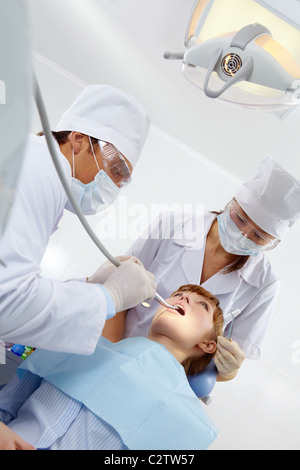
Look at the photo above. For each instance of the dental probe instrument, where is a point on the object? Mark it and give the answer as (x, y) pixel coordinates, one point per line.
(164, 303)
(233, 314)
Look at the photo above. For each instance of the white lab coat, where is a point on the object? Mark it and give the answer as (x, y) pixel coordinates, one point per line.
(176, 262)
(35, 311)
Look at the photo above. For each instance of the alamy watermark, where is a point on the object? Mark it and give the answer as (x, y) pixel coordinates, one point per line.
(125, 221)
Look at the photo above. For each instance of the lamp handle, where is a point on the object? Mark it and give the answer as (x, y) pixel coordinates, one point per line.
(242, 74)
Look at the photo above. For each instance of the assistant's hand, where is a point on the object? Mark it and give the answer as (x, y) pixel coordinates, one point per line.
(130, 284)
(228, 359)
(11, 441)
(106, 270)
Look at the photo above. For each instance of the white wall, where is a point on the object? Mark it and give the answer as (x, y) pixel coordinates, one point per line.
(261, 408)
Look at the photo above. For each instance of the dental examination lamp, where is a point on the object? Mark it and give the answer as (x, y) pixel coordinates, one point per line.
(245, 52)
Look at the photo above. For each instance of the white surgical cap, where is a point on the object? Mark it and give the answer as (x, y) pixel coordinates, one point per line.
(109, 114)
(271, 198)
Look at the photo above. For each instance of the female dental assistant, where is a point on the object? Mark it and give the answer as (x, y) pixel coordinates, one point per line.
(231, 263)
(99, 141)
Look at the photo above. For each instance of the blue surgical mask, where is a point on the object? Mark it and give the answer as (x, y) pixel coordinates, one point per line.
(95, 196)
(232, 239)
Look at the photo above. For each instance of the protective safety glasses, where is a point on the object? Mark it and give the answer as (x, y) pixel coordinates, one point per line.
(247, 229)
(115, 165)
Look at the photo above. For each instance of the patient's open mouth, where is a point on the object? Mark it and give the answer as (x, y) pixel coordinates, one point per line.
(180, 309)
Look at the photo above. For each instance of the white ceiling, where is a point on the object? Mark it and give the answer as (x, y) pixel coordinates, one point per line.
(122, 42)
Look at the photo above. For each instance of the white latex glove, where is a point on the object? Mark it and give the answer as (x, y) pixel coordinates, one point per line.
(130, 284)
(228, 359)
(106, 270)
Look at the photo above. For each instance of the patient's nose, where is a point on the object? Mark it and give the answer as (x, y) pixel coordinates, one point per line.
(185, 297)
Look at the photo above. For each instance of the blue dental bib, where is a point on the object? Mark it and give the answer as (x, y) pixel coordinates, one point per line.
(137, 387)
